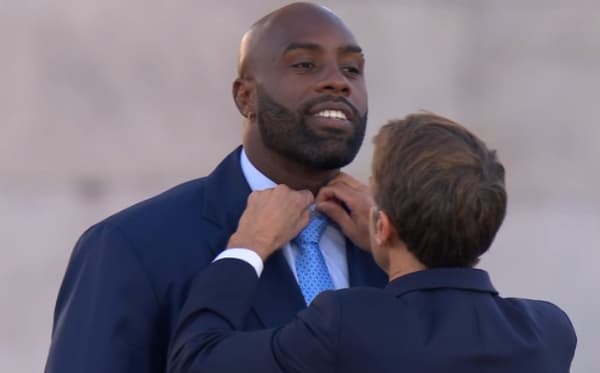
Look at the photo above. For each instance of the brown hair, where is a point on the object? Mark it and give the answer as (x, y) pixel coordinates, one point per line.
(441, 187)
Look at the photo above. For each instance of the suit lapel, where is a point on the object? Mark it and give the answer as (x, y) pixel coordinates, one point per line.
(225, 199)
(362, 269)
(278, 297)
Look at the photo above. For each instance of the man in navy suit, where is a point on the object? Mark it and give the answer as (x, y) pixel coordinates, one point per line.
(301, 90)
(439, 199)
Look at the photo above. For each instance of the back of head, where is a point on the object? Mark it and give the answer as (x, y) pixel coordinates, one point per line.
(441, 187)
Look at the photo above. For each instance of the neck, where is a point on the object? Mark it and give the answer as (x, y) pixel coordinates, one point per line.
(402, 262)
(282, 170)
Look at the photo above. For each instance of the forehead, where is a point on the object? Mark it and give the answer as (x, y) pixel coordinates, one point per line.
(325, 30)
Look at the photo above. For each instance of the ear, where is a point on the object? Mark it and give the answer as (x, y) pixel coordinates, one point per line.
(243, 96)
(384, 230)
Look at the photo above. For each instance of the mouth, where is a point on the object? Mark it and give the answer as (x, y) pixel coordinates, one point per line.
(334, 110)
(332, 114)
(331, 121)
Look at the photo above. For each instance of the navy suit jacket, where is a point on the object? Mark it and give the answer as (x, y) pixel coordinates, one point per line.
(129, 276)
(437, 320)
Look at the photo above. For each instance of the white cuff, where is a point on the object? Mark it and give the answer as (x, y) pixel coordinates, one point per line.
(245, 255)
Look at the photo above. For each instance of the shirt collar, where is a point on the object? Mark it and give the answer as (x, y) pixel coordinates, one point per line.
(256, 179)
(439, 278)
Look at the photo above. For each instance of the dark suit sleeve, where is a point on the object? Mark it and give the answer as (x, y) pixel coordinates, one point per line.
(106, 309)
(208, 336)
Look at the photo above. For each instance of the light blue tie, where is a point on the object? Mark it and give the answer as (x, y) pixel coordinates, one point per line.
(311, 269)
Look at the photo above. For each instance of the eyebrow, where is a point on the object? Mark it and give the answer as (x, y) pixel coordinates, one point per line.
(350, 48)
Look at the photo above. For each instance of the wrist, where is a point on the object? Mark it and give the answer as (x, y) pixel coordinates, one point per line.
(245, 255)
(251, 243)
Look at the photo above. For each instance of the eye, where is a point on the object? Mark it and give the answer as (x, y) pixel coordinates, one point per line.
(305, 65)
(351, 70)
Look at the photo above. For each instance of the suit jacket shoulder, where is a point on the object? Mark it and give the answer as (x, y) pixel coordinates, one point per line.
(182, 229)
(128, 275)
(551, 324)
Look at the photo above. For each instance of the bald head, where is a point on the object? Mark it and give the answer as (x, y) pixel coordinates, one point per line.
(285, 24)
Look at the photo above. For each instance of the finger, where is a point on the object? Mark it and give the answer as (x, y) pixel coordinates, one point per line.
(307, 196)
(325, 193)
(253, 199)
(340, 192)
(335, 191)
(301, 223)
(336, 213)
(304, 219)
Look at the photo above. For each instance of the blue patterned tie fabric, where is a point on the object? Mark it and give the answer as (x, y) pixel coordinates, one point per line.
(311, 269)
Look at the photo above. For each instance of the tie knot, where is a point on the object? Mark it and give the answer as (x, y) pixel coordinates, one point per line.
(311, 234)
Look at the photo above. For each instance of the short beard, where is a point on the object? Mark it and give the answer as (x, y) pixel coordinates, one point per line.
(286, 133)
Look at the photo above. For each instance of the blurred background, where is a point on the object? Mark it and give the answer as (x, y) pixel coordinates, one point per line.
(105, 103)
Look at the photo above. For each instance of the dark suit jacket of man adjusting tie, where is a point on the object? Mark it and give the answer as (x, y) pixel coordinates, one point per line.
(129, 276)
(438, 320)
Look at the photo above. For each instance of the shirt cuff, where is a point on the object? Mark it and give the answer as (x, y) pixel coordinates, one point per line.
(245, 255)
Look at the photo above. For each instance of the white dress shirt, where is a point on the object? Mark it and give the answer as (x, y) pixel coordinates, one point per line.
(332, 243)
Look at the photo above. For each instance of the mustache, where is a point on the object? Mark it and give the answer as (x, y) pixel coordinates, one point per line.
(330, 98)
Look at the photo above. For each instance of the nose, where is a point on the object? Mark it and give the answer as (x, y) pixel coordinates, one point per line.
(334, 82)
